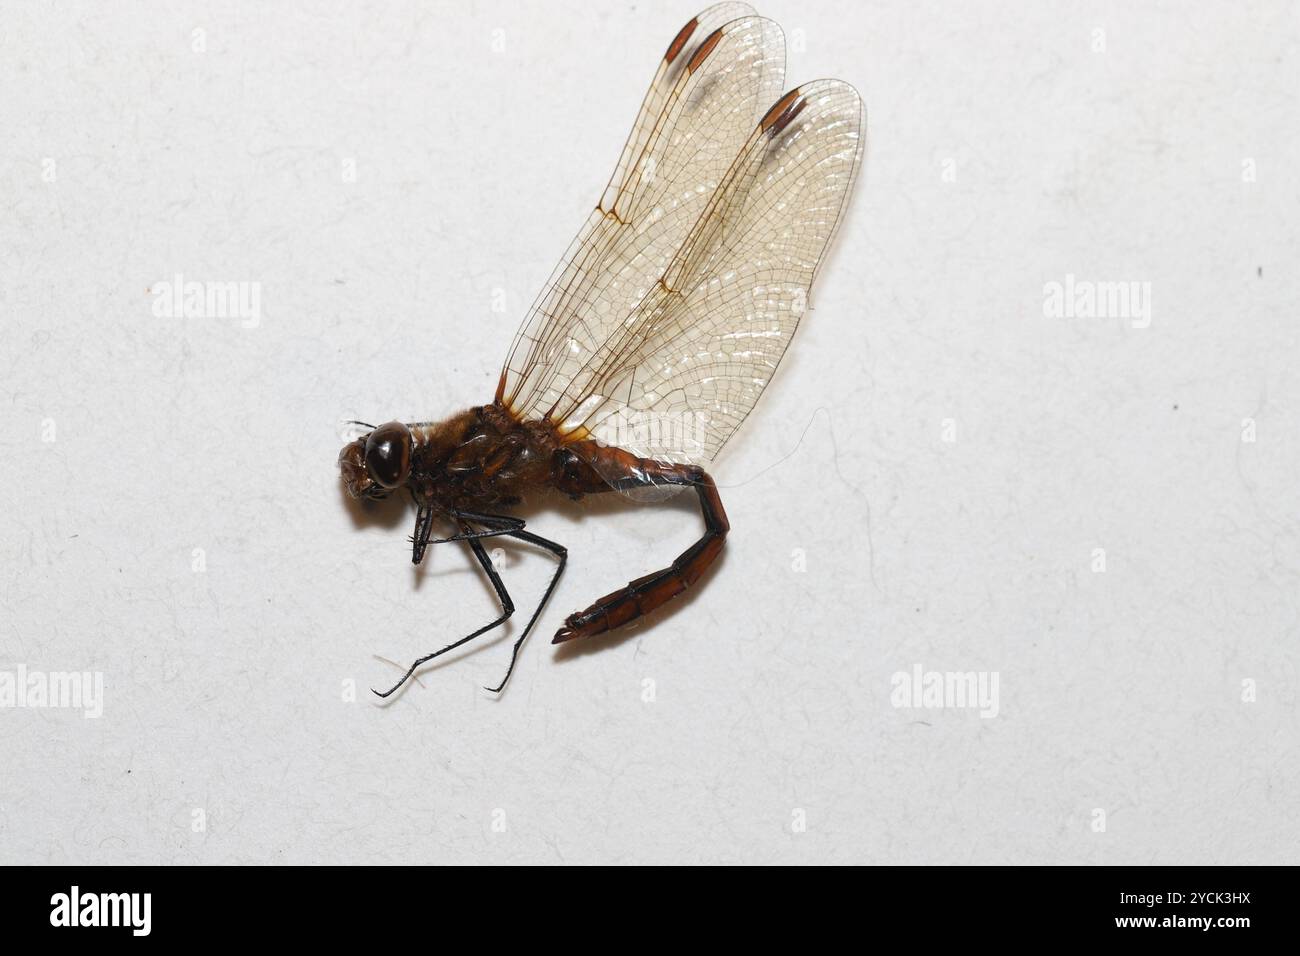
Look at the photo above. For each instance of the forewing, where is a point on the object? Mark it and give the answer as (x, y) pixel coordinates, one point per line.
(679, 376)
(681, 51)
(718, 75)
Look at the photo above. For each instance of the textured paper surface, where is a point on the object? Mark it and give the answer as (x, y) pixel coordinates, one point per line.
(934, 480)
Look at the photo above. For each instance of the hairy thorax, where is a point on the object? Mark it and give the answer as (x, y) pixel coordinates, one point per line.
(480, 458)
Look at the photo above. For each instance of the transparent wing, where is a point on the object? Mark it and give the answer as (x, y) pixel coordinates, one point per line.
(717, 77)
(678, 376)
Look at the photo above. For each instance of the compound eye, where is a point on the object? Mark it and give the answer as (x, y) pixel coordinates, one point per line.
(388, 454)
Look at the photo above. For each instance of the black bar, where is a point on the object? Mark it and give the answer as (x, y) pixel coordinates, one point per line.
(1164, 905)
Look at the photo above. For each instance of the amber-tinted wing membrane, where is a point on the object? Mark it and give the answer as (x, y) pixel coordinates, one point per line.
(677, 377)
(715, 81)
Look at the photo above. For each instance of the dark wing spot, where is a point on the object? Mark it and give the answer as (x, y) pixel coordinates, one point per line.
(679, 41)
(705, 49)
(781, 114)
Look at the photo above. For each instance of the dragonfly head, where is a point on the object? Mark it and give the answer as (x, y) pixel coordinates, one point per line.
(377, 463)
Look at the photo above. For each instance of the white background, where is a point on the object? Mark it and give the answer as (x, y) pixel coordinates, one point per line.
(1121, 692)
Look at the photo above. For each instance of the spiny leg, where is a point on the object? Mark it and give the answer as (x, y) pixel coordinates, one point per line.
(645, 594)
(560, 552)
(507, 605)
(506, 525)
(420, 540)
(384, 660)
(423, 528)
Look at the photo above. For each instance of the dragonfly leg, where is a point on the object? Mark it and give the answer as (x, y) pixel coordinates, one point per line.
(494, 526)
(561, 552)
(423, 529)
(507, 609)
(647, 593)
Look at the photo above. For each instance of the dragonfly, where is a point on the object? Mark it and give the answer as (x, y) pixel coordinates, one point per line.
(658, 331)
